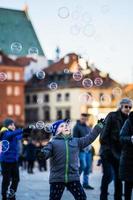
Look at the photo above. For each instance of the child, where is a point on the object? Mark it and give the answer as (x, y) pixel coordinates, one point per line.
(63, 150)
(9, 158)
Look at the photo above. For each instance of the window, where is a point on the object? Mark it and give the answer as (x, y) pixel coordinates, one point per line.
(67, 97)
(59, 97)
(9, 75)
(17, 109)
(31, 115)
(34, 98)
(46, 98)
(16, 91)
(27, 99)
(46, 115)
(67, 114)
(9, 90)
(10, 109)
(59, 114)
(17, 76)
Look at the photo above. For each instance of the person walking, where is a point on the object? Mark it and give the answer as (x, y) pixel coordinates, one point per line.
(111, 147)
(63, 151)
(85, 155)
(126, 159)
(30, 153)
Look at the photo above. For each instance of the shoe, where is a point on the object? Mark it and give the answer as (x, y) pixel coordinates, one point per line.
(88, 187)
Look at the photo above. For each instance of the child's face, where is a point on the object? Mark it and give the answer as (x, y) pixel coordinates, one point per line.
(12, 127)
(64, 128)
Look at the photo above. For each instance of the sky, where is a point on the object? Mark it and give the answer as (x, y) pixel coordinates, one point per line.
(100, 30)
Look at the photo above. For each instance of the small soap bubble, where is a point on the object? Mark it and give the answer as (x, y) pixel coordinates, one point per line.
(63, 12)
(40, 125)
(16, 47)
(87, 83)
(3, 76)
(40, 75)
(98, 81)
(77, 76)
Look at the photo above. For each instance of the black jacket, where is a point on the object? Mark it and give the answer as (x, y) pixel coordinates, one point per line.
(110, 136)
(126, 160)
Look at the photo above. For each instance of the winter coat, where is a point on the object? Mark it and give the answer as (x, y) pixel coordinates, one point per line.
(64, 152)
(110, 135)
(126, 160)
(13, 137)
(81, 130)
(30, 152)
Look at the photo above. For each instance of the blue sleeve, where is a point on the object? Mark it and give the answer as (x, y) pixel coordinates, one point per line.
(9, 134)
(19, 137)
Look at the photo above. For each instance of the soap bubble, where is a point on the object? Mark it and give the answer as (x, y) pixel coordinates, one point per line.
(63, 12)
(98, 81)
(3, 76)
(48, 128)
(33, 51)
(77, 76)
(105, 9)
(89, 30)
(4, 146)
(53, 86)
(40, 75)
(40, 101)
(16, 47)
(66, 71)
(40, 125)
(85, 98)
(117, 91)
(105, 99)
(32, 126)
(87, 83)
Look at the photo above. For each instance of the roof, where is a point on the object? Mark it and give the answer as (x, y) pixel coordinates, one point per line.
(22, 61)
(56, 73)
(15, 26)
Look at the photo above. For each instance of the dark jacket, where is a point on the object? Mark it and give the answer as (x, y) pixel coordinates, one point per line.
(81, 130)
(110, 135)
(126, 160)
(12, 154)
(30, 152)
(64, 153)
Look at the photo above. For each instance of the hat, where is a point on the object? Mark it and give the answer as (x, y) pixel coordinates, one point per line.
(55, 125)
(125, 101)
(7, 122)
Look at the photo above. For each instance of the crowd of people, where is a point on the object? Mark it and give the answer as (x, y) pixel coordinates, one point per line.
(71, 154)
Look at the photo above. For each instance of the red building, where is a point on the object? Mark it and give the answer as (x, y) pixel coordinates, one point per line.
(12, 88)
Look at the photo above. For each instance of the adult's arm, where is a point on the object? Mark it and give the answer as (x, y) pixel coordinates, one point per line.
(125, 133)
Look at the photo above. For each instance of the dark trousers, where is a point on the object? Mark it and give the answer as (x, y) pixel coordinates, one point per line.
(114, 163)
(128, 190)
(107, 177)
(57, 189)
(30, 166)
(10, 173)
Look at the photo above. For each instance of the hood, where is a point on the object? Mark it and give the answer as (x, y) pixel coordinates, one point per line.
(3, 129)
